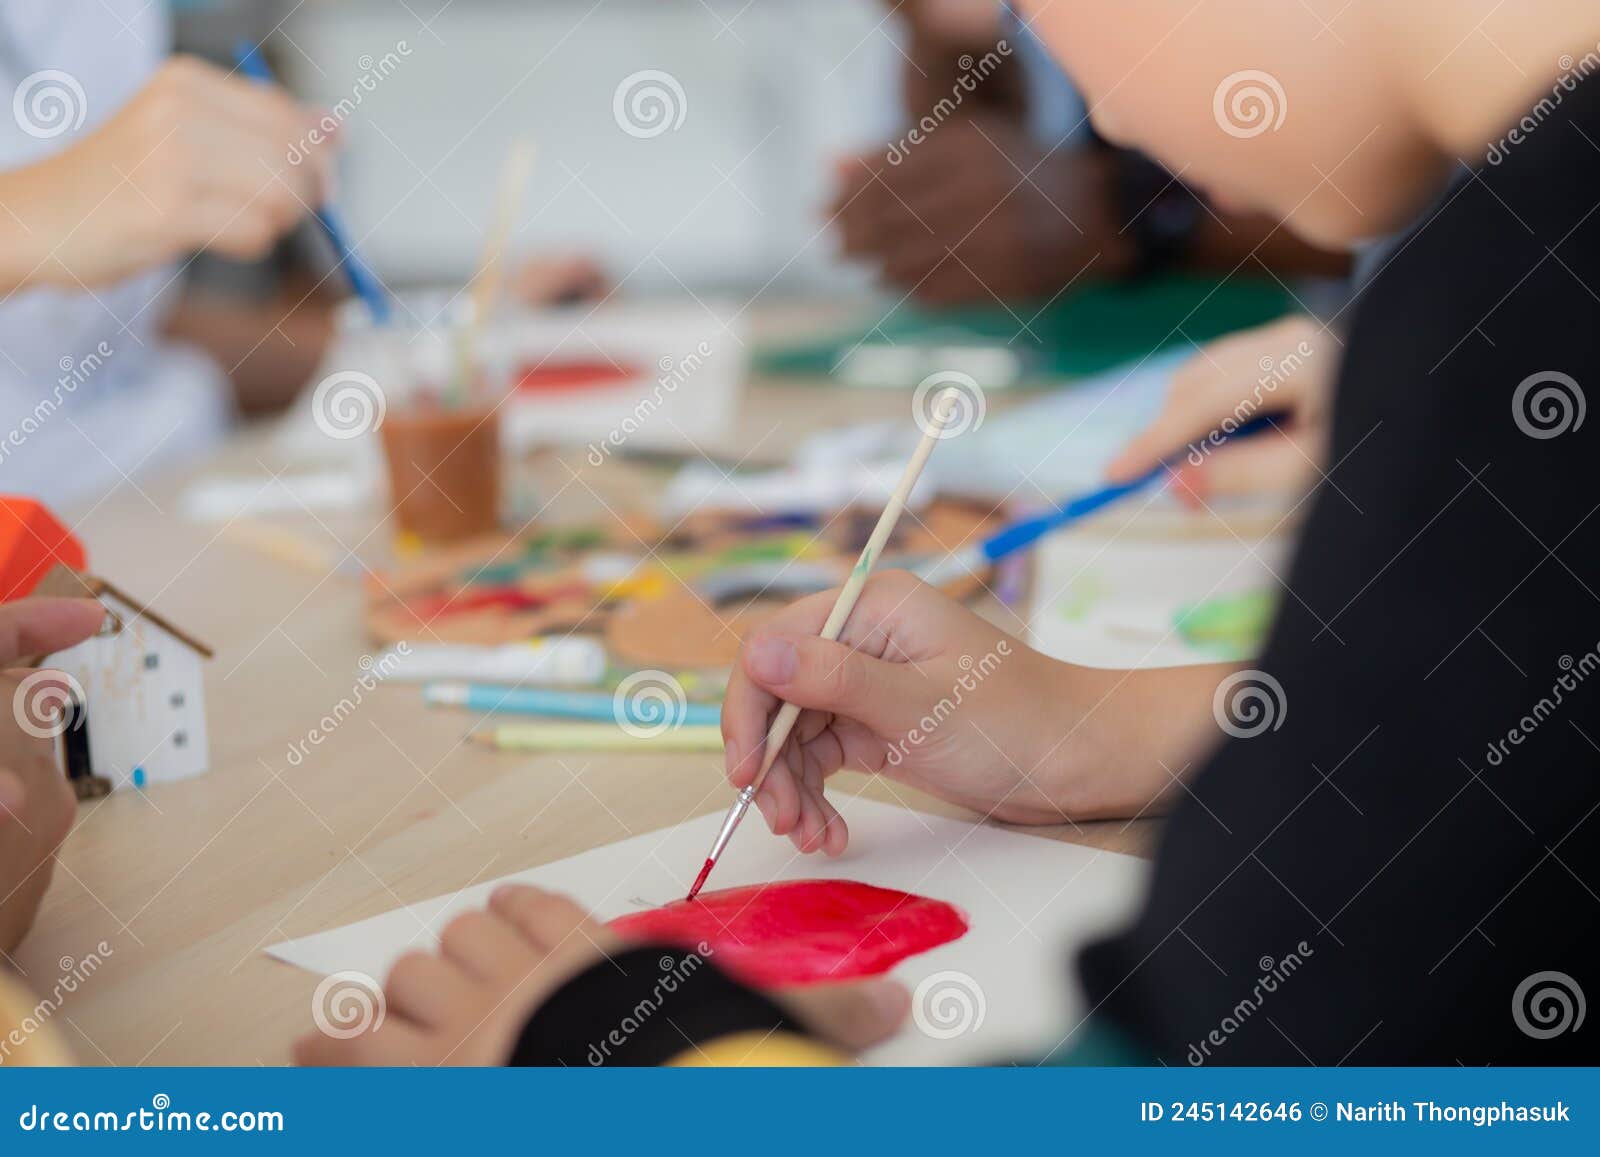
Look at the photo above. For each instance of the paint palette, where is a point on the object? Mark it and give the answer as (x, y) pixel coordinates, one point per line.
(677, 596)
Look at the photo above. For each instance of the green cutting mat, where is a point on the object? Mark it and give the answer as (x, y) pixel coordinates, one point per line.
(1082, 333)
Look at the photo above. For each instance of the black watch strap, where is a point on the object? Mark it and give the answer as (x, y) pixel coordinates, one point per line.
(642, 1006)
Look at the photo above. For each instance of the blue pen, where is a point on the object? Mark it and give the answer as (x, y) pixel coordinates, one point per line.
(362, 280)
(634, 711)
(1023, 534)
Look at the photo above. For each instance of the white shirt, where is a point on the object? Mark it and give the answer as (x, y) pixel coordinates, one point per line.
(90, 393)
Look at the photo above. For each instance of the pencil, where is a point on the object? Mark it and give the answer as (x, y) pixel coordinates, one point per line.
(596, 737)
(783, 723)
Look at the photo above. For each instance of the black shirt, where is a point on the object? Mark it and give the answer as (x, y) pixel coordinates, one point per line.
(1404, 865)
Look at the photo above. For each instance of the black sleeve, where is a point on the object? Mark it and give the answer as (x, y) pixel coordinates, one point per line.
(1400, 861)
(643, 1006)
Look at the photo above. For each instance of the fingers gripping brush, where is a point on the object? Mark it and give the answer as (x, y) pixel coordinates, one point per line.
(783, 722)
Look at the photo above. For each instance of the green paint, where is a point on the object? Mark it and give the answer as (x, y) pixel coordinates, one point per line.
(779, 548)
(497, 575)
(573, 538)
(1228, 626)
(1080, 598)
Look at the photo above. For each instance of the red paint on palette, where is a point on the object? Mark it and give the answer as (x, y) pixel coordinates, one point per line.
(491, 598)
(802, 931)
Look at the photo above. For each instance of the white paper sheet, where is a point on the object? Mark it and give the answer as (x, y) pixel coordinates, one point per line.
(1101, 603)
(1004, 990)
(689, 361)
(1048, 448)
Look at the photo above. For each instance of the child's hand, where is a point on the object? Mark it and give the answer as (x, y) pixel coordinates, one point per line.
(36, 802)
(1286, 367)
(467, 1003)
(919, 689)
(198, 159)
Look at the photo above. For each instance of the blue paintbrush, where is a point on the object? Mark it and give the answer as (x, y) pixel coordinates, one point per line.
(362, 279)
(1021, 535)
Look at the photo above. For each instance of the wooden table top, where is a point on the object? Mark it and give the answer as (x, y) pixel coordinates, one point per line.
(187, 883)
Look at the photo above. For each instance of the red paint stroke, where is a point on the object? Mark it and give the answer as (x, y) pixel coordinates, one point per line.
(802, 931)
(577, 374)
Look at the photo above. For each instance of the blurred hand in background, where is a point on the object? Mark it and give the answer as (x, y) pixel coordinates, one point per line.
(1287, 369)
(979, 211)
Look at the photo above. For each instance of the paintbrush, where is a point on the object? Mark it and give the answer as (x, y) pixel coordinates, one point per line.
(366, 285)
(973, 559)
(783, 722)
(486, 284)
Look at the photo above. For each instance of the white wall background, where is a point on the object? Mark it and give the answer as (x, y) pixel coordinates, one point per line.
(776, 90)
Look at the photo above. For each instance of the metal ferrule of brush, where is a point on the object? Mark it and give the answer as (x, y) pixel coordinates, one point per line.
(730, 822)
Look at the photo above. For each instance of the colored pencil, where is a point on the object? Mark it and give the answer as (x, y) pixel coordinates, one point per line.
(549, 737)
(566, 704)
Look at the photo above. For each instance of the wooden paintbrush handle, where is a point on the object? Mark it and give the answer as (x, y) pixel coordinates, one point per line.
(783, 722)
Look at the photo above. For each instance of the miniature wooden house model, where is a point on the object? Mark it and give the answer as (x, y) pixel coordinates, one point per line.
(144, 695)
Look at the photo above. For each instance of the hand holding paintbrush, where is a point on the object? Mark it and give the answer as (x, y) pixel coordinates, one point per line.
(784, 721)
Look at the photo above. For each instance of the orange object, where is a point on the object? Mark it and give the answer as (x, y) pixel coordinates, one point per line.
(32, 541)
